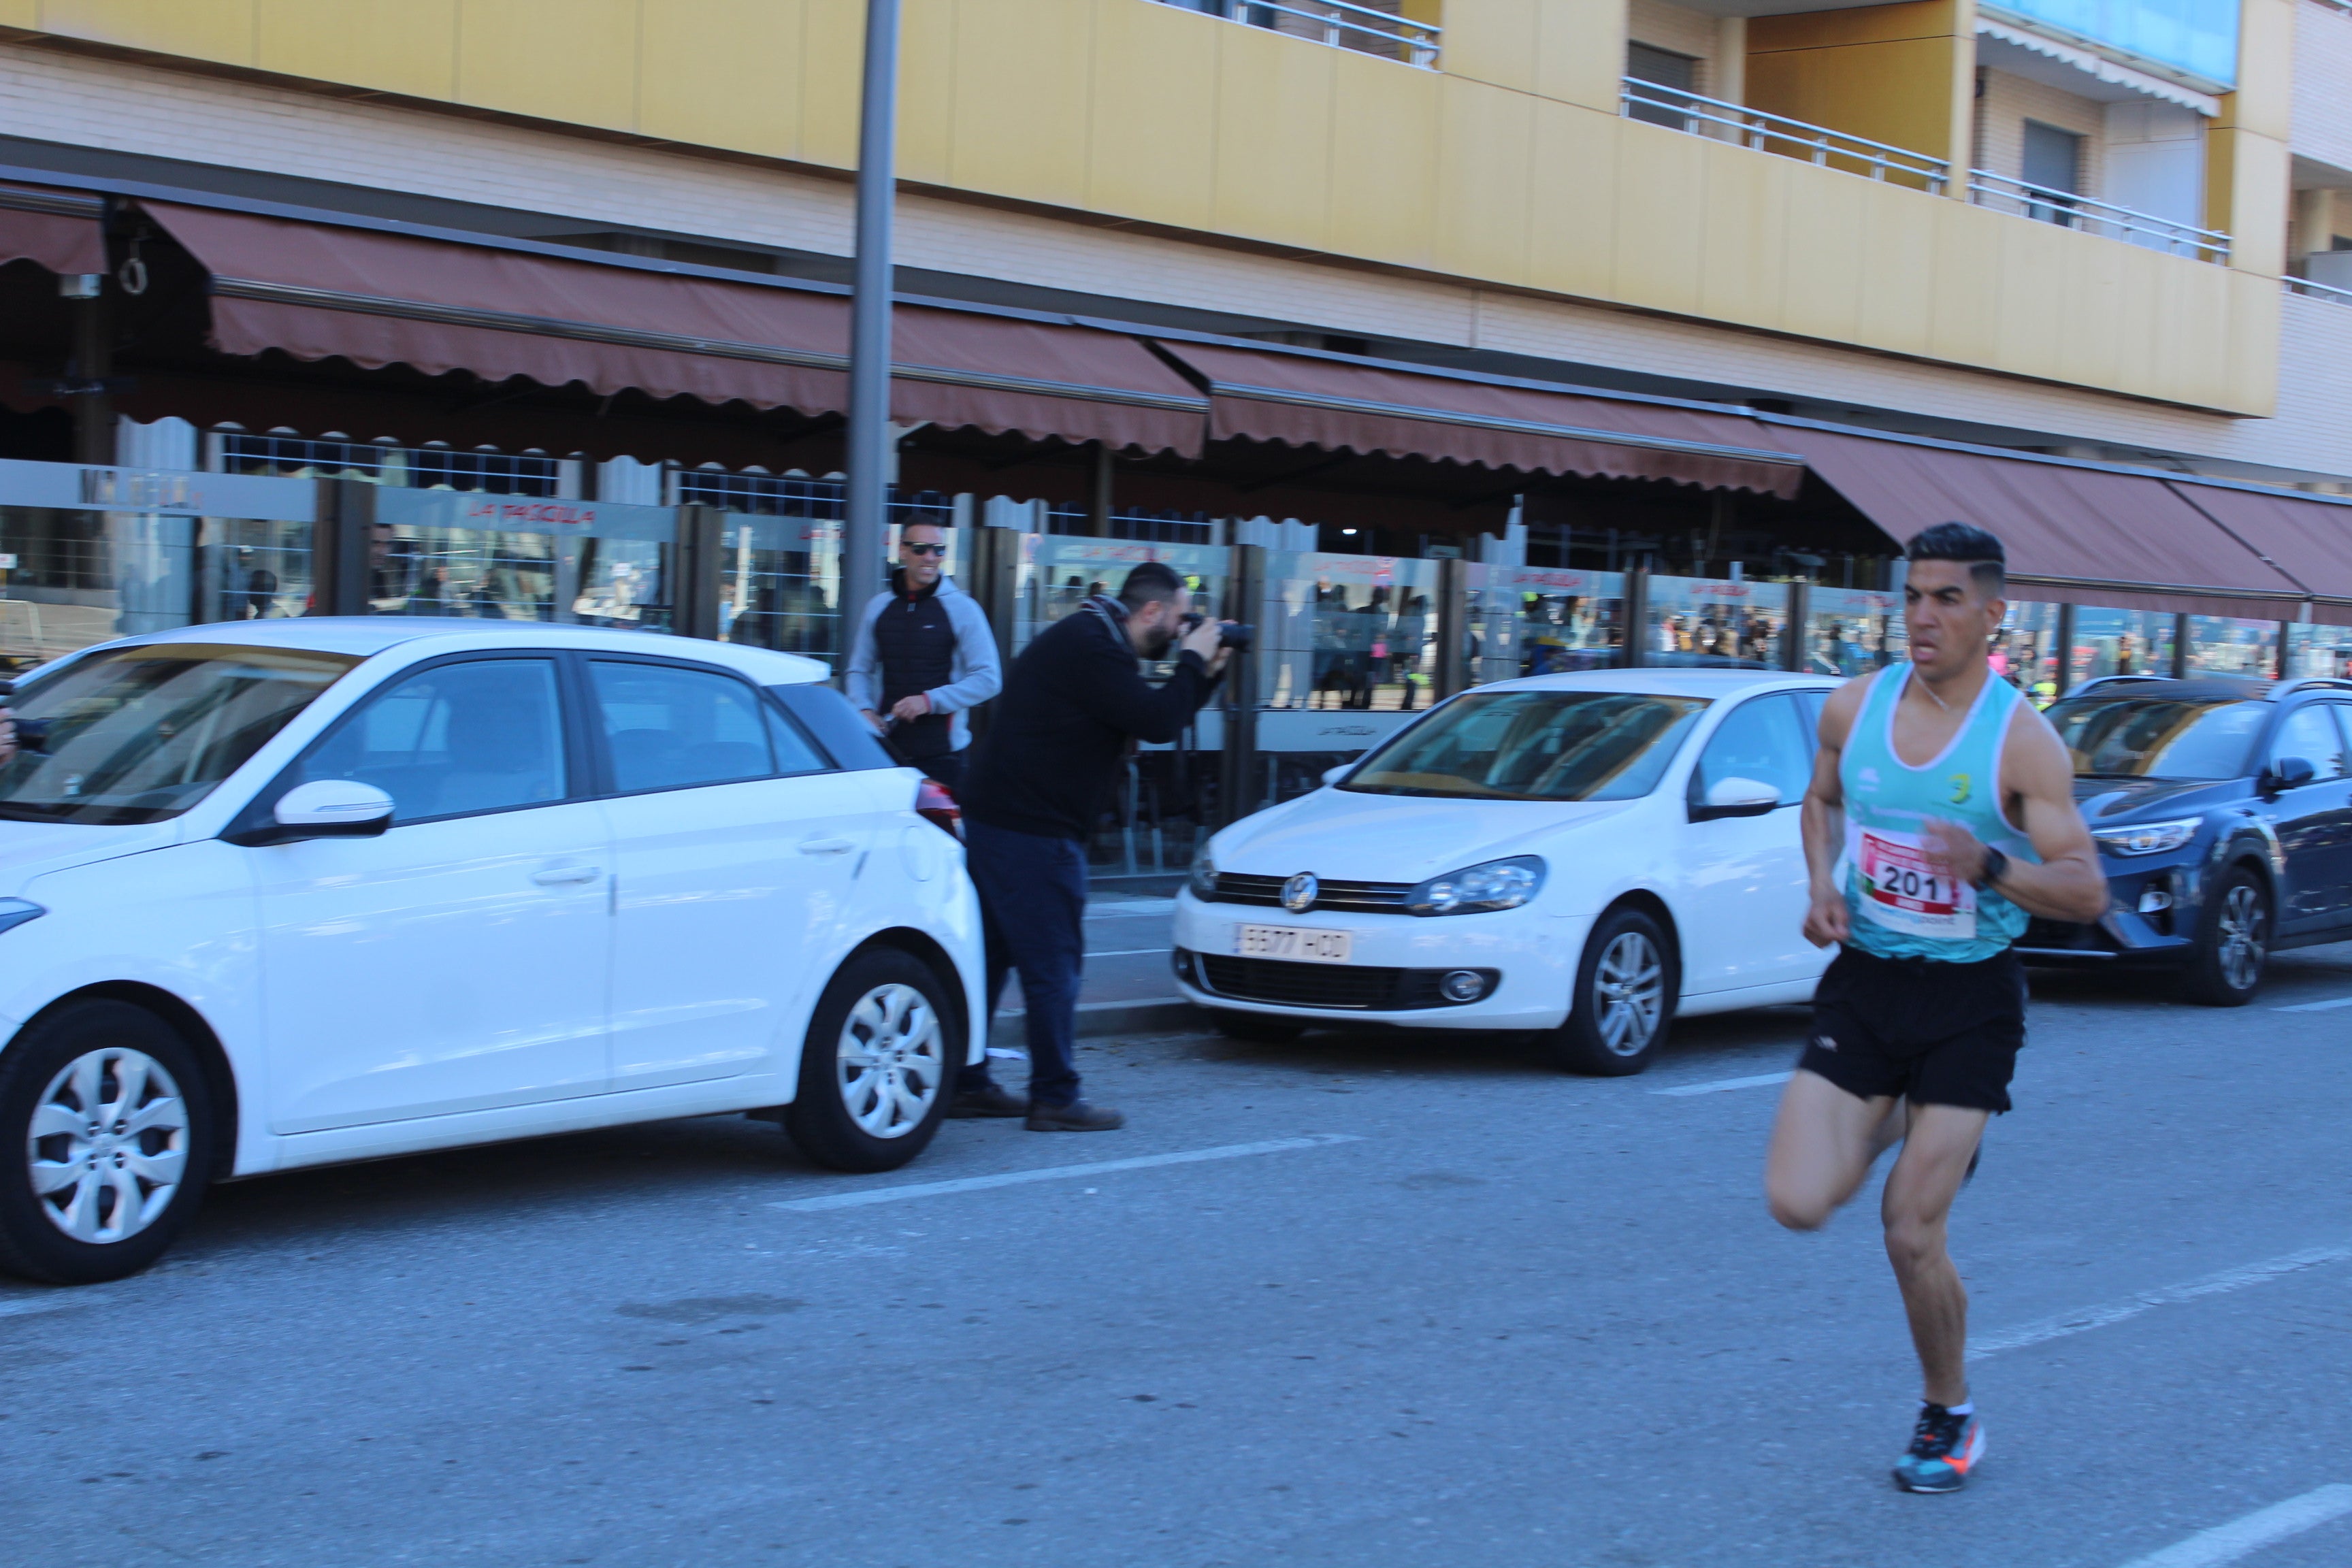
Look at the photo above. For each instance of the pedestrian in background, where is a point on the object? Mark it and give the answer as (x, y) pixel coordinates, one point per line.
(925, 656)
(1073, 711)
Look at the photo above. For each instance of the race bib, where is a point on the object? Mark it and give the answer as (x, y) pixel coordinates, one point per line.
(1899, 892)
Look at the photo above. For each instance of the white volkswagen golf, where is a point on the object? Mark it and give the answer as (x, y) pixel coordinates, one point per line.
(279, 893)
(1580, 855)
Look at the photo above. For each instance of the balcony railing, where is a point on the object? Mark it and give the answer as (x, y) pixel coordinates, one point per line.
(2071, 211)
(1680, 111)
(2311, 290)
(1364, 28)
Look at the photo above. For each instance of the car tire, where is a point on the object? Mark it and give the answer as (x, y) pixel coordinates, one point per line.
(1255, 1026)
(878, 1065)
(107, 1122)
(1624, 1001)
(2232, 941)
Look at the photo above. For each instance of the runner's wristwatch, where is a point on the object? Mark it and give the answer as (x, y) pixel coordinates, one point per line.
(1995, 867)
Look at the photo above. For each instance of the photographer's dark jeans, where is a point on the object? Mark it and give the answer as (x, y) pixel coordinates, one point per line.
(1033, 900)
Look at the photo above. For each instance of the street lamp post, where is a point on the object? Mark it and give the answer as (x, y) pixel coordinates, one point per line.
(869, 333)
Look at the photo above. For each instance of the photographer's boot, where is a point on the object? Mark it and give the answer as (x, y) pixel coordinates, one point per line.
(1076, 1117)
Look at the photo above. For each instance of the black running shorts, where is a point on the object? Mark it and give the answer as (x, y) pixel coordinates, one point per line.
(1938, 1034)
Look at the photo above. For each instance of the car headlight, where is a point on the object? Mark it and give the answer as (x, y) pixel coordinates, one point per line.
(15, 912)
(1202, 877)
(2147, 837)
(1476, 889)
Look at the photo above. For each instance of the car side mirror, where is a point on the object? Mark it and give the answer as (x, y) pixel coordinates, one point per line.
(2291, 773)
(329, 808)
(1734, 796)
(1333, 775)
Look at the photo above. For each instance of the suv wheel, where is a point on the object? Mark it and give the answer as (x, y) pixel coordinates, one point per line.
(106, 1143)
(2233, 941)
(878, 1065)
(1625, 998)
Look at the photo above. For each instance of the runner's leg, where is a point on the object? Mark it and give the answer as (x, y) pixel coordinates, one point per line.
(1823, 1141)
(1918, 1199)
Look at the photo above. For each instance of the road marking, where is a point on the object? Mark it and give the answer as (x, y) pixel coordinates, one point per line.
(2317, 1006)
(1057, 1173)
(2099, 1317)
(2239, 1537)
(1130, 952)
(1720, 1085)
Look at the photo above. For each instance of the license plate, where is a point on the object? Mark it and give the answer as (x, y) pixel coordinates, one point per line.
(1289, 942)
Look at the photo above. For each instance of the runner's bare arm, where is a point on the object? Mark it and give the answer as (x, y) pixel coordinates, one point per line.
(2037, 792)
(1823, 816)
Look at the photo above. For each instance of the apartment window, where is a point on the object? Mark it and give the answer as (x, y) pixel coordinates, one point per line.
(2053, 164)
(1668, 77)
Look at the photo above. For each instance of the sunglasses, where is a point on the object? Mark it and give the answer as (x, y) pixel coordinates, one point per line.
(924, 549)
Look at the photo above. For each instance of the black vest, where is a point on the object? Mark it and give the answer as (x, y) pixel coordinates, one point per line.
(915, 643)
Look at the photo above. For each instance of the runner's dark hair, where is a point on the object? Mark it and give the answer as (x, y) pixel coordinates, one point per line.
(1979, 551)
(1151, 581)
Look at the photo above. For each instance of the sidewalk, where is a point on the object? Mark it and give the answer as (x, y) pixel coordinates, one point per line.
(1128, 986)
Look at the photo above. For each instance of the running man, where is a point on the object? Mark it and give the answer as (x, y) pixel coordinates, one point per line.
(1917, 1022)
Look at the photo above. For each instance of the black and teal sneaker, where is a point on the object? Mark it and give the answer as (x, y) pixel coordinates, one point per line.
(1944, 1449)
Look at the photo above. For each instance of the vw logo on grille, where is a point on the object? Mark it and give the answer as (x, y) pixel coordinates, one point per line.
(1298, 893)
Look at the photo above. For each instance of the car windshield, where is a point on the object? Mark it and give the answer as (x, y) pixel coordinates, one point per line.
(2159, 737)
(138, 734)
(1534, 746)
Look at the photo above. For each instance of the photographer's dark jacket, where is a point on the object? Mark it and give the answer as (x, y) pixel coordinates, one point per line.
(1055, 753)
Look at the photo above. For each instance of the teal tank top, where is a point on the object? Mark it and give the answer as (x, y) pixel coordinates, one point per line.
(1897, 908)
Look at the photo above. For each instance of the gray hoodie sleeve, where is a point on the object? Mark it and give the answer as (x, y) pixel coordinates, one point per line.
(979, 674)
(861, 677)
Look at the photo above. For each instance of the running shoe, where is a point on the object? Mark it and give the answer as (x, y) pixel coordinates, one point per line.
(1944, 1449)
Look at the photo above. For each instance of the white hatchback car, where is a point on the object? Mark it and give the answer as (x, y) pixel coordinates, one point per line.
(281, 893)
(1580, 855)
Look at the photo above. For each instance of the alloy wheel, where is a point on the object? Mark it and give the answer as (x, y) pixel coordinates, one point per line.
(108, 1148)
(893, 1057)
(2238, 937)
(1629, 991)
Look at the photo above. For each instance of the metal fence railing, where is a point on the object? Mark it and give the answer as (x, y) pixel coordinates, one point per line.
(2068, 210)
(1680, 111)
(2311, 290)
(432, 465)
(1367, 29)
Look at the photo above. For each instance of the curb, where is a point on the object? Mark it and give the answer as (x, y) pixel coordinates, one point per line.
(1099, 1018)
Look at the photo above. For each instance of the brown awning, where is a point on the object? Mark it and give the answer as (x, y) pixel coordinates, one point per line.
(62, 230)
(2310, 541)
(316, 291)
(1305, 401)
(2087, 535)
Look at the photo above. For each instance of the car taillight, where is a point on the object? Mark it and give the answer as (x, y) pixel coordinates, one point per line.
(935, 806)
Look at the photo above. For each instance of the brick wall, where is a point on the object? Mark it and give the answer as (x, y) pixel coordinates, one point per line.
(1681, 30)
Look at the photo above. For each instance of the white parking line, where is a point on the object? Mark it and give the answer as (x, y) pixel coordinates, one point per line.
(2090, 1318)
(1130, 952)
(1057, 1173)
(1720, 1085)
(2228, 1542)
(2317, 1006)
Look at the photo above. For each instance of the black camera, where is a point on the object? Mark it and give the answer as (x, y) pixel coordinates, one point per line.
(1236, 636)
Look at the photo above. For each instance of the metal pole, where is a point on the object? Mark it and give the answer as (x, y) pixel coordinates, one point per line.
(869, 335)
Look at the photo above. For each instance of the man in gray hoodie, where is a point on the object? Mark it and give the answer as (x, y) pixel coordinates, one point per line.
(923, 657)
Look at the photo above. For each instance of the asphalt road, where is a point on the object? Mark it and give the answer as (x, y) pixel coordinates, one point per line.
(1467, 1312)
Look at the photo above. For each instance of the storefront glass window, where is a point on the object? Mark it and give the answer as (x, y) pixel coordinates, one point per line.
(2119, 642)
(2219, 645)
(2319, 653)
(1706, 622)
(1542, 620)
(1347, 631)
(2025, 650)
(1852, 631)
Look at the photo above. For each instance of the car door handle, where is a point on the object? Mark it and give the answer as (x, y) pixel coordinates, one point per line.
(564, 874)
(822, 846)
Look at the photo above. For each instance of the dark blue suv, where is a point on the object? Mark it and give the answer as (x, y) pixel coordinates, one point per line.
(2223, 813)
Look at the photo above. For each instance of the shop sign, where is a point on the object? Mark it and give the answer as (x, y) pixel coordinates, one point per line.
(1560, 580)
(74, 487)
(1188, 560)
(522, 514)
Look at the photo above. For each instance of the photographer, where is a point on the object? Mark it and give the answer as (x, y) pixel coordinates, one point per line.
(1072, 711)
